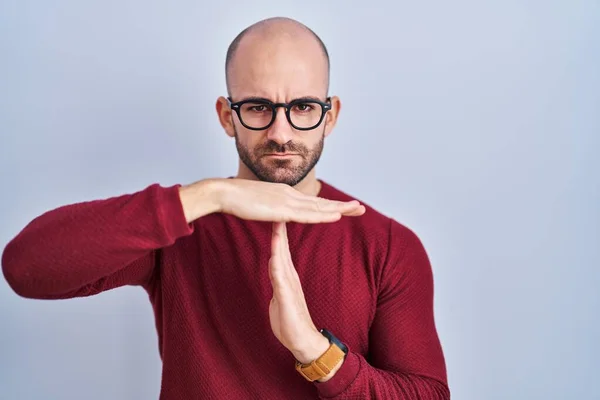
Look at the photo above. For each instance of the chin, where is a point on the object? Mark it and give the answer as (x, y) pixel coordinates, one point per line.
(285, 177)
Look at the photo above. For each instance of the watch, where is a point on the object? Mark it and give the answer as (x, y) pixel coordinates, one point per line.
(323, 365)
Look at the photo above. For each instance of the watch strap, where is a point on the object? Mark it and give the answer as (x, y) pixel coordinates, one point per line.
(323, 365)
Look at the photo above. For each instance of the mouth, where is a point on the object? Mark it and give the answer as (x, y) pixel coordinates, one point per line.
(281, 155)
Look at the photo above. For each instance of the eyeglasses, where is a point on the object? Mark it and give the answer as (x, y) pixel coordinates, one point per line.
(303, 114)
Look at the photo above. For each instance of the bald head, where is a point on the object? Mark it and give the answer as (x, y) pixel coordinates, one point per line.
(270, 38)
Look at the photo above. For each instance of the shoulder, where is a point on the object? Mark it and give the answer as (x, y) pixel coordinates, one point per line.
(373, 219)
(395, 238)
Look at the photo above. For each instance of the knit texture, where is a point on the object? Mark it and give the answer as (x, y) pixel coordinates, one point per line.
(366, 279)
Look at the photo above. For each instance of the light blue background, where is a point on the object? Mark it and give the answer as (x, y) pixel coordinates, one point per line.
(475, 123)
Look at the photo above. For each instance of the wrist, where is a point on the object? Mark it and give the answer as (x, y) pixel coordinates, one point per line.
(314, 349)
(316, 365)
(201, 198)
(319, 345)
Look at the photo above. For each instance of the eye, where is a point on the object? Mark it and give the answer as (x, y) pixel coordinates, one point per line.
(304, 107)
(258, 108)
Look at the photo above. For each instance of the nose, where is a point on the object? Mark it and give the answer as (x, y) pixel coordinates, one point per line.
(280, 131)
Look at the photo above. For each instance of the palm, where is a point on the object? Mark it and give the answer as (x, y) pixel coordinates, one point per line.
(264, 201)
(288, 313)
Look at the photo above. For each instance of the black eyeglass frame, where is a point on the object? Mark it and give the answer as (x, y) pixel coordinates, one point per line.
(325, 107)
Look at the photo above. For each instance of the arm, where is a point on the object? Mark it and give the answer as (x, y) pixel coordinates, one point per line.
(405, 359)
(86, 248)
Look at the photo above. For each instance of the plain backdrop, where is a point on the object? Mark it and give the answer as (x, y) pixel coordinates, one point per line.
(474, 123)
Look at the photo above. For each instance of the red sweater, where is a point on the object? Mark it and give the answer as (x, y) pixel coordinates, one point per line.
(366, 279)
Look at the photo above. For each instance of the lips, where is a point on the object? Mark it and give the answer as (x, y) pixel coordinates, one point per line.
(282, 155)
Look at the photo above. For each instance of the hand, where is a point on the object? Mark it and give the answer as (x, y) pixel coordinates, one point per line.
(261, 201)
(288, 313)
(264, 201)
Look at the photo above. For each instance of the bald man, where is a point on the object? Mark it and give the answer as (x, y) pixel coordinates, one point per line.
(271, 284)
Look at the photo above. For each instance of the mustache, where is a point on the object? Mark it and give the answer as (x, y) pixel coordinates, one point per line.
(289, 147)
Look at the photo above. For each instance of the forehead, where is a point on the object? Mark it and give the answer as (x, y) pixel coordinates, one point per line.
(279, 68)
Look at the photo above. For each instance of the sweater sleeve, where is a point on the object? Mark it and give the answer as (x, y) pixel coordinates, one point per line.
(89, 247)
(405, 359)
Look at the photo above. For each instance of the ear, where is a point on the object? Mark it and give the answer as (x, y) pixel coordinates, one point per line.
(332, 115)
(225, 116)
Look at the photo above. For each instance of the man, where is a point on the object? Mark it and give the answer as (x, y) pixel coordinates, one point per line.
(269, 285)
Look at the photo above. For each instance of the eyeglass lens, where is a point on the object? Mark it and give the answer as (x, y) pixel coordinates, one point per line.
(302, 115)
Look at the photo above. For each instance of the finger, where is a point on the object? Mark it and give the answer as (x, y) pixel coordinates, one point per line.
(285, 244)
(357, 212)
(276, 272)
(290, 291)
(282, 253)
(288, 264)
(276, 239)
(312, 217)
(321, 203)
(278, 283)
(326, 205)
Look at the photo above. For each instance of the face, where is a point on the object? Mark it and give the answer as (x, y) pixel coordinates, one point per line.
(287, 163)
(279, 69)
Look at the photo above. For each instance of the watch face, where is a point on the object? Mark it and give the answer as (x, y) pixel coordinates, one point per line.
(333, 339)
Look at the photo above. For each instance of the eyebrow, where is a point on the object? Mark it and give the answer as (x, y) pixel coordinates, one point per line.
(264, 99)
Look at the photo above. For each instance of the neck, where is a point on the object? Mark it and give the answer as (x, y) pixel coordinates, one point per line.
(310, 185)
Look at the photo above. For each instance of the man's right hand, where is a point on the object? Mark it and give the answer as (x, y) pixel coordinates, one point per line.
(261, 201)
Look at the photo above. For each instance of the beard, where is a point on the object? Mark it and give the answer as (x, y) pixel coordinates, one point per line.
(287, 171)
